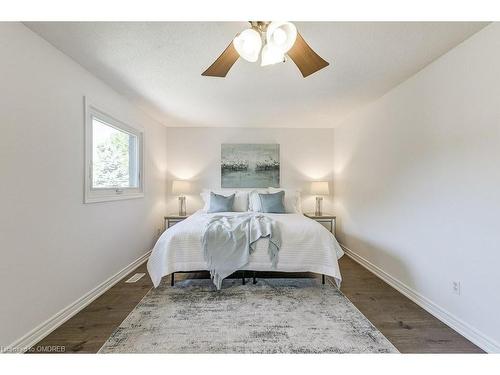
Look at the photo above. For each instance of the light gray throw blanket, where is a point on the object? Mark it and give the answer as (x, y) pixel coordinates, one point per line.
(228, 242)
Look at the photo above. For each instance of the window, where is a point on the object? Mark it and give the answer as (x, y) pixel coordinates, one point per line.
(113, 158)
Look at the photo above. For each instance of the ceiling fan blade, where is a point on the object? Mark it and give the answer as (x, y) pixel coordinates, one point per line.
(224, 62)
(305, 58)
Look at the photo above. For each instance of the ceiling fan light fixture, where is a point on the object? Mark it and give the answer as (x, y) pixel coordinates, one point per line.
(271, 55)
(281, 35)
(279, 39)
(248, 44)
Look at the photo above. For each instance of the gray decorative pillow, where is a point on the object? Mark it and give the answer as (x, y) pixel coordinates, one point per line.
(220, 203)
(272, 203)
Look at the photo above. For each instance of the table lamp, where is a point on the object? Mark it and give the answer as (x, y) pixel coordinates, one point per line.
(181, 187)
(319, 188)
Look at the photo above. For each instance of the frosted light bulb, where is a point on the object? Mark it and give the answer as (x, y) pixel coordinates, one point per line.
(281, 35)
(271, 55)
(248, 44)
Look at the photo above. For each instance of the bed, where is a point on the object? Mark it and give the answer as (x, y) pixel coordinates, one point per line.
(306, 246)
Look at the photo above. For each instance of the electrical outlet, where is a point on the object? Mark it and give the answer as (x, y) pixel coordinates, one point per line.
(455, 287)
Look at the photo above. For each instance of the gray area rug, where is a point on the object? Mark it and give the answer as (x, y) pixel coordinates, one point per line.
(272, 316)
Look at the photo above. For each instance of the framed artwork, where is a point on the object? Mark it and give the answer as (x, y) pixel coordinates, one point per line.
(250, 165)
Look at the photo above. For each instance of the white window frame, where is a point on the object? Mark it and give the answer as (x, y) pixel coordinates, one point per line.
(94, 195)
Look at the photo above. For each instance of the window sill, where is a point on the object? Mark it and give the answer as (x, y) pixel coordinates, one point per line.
(111, 197)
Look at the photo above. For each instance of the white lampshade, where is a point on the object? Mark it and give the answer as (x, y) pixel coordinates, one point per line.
(180, 187)
(320, 188)
(271, 55)
(248, 44)
(281, 35)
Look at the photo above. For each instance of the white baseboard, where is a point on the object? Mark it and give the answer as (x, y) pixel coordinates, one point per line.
(480, 339)
(38, 333)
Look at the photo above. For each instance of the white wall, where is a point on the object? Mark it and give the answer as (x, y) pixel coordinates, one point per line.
(194, 154)
(54, 248)
(417, 177)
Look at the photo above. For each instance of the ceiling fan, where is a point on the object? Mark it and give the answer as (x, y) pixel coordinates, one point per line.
(273, 41)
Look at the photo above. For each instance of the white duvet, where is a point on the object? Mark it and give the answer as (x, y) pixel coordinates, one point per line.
(306, 246)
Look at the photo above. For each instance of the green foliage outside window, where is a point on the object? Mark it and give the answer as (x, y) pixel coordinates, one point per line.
(111, 161)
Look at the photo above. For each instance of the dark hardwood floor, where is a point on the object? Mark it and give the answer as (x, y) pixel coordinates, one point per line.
(410, 328)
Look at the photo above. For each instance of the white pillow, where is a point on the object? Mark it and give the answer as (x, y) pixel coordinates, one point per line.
(254, 200)
(240, 199)
(292, 201)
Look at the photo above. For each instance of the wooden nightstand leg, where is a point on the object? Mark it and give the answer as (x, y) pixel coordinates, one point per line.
(243, 277)
(172, 279)
(323, 279)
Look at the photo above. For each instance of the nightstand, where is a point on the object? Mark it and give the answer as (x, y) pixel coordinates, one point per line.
(173, 219)
(325, 218)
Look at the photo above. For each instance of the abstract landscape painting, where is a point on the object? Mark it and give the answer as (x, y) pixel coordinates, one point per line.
(250, 165)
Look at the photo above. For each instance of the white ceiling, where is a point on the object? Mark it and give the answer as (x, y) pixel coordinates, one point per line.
(158, 66)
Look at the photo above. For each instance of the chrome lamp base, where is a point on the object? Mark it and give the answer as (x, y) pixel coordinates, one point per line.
(182, 206)
(318, 210)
